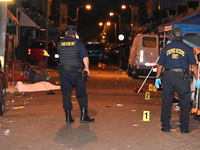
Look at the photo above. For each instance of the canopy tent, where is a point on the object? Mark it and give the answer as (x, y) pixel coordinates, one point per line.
(189, 23)
(190, 26)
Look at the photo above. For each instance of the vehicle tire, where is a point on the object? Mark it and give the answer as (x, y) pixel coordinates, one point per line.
(129, 71)
(2, 93)
(25, 65)
(134, 76)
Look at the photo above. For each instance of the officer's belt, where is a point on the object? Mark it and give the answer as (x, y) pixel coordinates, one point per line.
(68, 68)
(177, 70)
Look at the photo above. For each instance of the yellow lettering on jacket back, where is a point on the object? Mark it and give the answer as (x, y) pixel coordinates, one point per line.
(67, 43)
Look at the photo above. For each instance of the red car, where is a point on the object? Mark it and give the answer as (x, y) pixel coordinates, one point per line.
(37, 50)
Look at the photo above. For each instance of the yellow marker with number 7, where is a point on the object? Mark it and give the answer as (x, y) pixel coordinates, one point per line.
(146, 115)
(150, 87)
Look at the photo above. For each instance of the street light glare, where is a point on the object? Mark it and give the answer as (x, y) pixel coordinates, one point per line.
(111, 14)
(100, 23)
(108, 23)
(88, 6)
(123, 6)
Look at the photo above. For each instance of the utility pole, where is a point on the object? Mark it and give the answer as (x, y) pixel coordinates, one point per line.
(47, 32)
(47, 25)
(3, 25)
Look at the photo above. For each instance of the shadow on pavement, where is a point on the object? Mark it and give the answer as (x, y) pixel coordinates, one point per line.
(75, 137)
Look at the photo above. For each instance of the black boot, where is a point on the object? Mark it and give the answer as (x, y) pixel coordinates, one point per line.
(69, 116)
(84, 116)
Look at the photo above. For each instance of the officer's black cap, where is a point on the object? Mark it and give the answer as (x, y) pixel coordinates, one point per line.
(177, 33)
(71, 30)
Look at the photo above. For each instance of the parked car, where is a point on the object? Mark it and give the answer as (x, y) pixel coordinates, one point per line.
(53, 59)
(37, 51)
(118, 54)
(112, 52)
(2, 93)
(95, 50)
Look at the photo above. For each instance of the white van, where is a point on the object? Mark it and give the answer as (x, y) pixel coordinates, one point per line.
(143, 54)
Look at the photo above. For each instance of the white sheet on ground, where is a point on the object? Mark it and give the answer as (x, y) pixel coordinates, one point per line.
(39, 86)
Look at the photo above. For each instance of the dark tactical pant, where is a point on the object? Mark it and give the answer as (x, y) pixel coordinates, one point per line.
(70, 79)
(174, 82)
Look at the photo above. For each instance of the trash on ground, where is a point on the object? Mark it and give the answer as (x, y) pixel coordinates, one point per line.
(177, 123)
(6, 131)
(135, 125)
(119, 105)
(177, 108)
(136, 89)
(108, 106)
(18, 107)
(26, 101)
(51, 93)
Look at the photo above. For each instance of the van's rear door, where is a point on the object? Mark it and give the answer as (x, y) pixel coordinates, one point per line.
(148, 51)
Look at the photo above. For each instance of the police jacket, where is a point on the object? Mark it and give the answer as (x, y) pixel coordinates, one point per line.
(177, 54)
(71, 52)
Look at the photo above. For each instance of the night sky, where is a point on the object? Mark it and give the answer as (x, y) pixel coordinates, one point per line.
(89, 19)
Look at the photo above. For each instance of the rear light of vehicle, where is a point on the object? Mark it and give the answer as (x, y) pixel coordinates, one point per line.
(141, 56)
(29, 51)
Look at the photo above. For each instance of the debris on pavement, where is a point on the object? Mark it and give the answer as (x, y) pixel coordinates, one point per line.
(119, 105)
(129, 146)
(135, 125)
(136, 89)
(177, 109)
(18, 107)
(51, 92)
(6, 131)
(26, 101)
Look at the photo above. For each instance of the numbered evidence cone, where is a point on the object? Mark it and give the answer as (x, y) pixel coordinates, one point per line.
(99, 65)
(154, 88)
(150, 87)
(147, 95)
(146, 116)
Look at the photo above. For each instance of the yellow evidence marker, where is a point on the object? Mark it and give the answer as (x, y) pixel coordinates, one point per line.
(146, 115)
(150, 87)
(154, 88)
(147, 95)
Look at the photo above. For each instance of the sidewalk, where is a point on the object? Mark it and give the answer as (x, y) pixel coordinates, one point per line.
(11, 88)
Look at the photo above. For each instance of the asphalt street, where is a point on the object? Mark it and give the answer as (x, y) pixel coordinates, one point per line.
(124, 119)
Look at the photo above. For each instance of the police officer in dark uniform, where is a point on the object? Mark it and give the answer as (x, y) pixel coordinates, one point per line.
(176, 58)
(73, 56)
